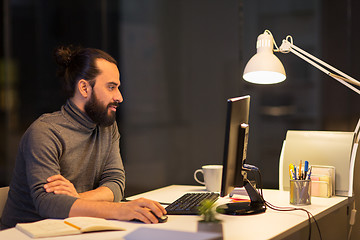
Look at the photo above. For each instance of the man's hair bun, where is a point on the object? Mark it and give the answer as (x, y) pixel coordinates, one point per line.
(64, 55)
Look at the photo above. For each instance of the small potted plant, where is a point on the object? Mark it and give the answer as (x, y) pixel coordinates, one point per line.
(209, 222)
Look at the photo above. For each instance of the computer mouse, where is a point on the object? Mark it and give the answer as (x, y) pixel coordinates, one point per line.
(161, 219)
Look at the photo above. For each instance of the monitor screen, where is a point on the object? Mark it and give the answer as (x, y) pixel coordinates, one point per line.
(235, 151)
(235, 147)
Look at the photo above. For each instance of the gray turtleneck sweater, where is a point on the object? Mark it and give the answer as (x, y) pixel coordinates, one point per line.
(69, 143)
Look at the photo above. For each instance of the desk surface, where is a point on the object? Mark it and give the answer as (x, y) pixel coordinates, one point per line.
(269, 225)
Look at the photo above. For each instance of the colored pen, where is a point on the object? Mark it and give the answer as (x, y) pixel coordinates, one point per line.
(306, 169)
(291, 171)
(301, 172)
(292, 174)
(308, 174)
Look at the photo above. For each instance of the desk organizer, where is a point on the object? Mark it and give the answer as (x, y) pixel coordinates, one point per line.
(322, 181)
(326, 148)
(300, 192)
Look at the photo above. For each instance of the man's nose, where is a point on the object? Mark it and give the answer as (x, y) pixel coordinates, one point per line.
(118, 97)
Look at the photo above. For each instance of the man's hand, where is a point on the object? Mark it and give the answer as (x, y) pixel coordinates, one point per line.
(137, 209)
(140, 209)
(60, 185)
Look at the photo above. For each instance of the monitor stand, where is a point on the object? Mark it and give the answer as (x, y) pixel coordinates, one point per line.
(255, 206)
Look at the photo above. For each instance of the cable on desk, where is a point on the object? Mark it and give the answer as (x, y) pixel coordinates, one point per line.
(309, 214)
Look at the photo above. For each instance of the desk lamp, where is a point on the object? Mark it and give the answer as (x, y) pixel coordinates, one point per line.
(265, 68)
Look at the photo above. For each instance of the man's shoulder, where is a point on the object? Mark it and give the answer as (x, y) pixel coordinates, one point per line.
(47, 121)
(42, 130)
(49, 118)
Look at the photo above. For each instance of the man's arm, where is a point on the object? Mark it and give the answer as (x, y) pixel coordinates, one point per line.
(98, 194)
(136, 209)
(60, 185)
(98, 203)
(112, 179)
(113, 173)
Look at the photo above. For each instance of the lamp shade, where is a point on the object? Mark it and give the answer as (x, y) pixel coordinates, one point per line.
(264, 67)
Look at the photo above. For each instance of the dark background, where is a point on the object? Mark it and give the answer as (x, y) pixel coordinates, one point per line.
(179, 62)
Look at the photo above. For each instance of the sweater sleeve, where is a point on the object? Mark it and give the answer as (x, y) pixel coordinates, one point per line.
(113, 175)
(41, 150)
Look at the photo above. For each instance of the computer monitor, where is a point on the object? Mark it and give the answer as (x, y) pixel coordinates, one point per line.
(235, 151)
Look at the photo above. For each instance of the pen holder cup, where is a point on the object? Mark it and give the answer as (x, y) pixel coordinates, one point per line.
(300, 192)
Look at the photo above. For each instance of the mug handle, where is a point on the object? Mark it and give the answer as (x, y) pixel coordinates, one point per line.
(195, 177)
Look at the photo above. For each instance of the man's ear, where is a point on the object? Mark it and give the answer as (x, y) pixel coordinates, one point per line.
(84, 88)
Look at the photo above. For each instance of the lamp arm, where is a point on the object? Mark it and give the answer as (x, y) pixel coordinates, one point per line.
(343, 78)
(340, 79)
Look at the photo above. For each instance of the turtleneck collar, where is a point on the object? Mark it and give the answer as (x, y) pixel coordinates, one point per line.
(76, 116)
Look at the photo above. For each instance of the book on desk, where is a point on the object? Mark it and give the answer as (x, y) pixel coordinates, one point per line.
(68, 226)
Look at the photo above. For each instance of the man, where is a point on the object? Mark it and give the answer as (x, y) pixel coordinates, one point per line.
(68, 162)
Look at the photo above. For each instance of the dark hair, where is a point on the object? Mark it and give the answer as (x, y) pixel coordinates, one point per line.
(77, 63)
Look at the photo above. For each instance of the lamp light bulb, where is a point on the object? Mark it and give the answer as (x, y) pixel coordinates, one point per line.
(264, 67)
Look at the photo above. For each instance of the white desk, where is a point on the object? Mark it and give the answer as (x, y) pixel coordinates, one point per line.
(269, 225)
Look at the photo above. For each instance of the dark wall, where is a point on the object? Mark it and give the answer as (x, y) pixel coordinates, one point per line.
(179, 62)
(341, 49)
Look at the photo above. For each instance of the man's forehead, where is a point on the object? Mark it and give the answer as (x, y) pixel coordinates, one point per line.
(109, 72)
(103, 63)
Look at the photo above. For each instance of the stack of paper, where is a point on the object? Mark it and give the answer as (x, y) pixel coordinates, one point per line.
(322, 181)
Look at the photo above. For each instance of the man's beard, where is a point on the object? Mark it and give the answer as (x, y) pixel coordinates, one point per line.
(98, 112)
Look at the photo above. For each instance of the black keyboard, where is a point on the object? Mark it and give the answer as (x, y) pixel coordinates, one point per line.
(188, 203)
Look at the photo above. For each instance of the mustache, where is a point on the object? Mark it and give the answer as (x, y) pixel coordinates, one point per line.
(116, 104)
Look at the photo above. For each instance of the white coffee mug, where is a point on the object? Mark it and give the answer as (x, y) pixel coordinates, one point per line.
(212, 177)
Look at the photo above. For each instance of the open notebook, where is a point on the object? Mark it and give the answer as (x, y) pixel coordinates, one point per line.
(68, 226)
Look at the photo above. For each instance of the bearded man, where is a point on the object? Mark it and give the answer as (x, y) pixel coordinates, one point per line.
(68, 162)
